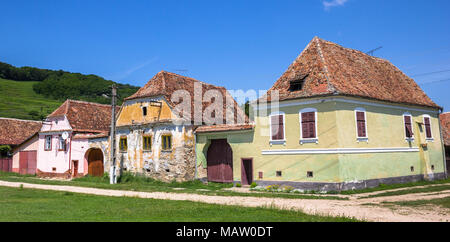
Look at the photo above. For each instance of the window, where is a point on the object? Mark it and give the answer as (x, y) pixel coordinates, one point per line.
(61, 144)
(144, 111)
(277, 127)
(297, 85)
(308, 125)
(48, 142)
(279, 174)
(427, 124)
(361, 126)
(166, 142)
(123, 144)
(309, 174)
(407, 118)
(147, 143)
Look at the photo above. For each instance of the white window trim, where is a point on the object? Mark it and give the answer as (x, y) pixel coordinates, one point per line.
(283, 141)
(49, 142)
(404, 127)
(361, 138)
(425, 130)
(308, 140)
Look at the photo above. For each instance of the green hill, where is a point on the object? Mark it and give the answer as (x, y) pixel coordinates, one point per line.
(18, 100)
(33, 93)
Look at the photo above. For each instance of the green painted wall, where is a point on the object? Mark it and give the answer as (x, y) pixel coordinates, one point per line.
(336, 128)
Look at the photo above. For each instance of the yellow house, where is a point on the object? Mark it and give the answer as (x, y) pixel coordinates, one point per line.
(337, 119)
(155, 126)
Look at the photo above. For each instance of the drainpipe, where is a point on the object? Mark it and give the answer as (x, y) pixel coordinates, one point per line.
(70, 153)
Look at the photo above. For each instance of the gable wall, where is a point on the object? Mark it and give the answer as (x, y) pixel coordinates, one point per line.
(132, 110)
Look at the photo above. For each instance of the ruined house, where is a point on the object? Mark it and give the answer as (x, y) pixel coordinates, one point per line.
(156, 138)
(445, 128)
(337, 119)
(73, 140)
(22, 137)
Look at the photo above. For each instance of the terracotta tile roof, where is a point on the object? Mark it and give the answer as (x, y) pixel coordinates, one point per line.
(330, 69)
(445, 125)
(85, 116)
(16, 131)
(223, 128)
(166, 83)
(90, 135)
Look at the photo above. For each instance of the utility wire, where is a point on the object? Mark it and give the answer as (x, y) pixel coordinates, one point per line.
(430, 73)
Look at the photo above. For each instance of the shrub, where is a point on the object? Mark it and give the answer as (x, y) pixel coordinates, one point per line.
(253, 185)
(288, 189)
(238, 185)
(272, 188)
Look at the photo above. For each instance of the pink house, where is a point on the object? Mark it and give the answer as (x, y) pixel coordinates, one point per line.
(22, 137)
(64, 147)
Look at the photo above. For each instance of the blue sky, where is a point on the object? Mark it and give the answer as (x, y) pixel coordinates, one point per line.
(236, 44)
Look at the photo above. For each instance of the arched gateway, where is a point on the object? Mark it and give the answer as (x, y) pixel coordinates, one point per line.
(95, 162)
(220, 161)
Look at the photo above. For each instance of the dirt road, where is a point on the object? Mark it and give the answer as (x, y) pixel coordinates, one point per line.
(367, 209)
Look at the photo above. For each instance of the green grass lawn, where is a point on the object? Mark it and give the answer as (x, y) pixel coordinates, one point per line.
(17, 99)
(443, 202)
(132, 183)
(437, 188)
(19, 204)
(383, 187)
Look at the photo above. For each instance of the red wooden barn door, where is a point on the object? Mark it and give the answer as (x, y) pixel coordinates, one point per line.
(6, 164)
(27, 162)
(220, 161)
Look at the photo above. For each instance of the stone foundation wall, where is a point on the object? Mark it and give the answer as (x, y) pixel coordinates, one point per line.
(343, 186)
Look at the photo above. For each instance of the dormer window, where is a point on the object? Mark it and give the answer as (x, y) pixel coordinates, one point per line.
(297, 84)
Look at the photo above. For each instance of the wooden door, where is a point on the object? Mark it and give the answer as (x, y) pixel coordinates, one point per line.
(220, 161)
(247, 171)
(95, 163)
(27, 162)
(75, 168)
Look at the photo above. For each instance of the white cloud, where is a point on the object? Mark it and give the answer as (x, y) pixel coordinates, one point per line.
(333, 3)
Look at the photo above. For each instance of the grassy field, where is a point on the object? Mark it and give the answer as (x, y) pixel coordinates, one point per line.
(17, 100)
(383, 187)
(132, 183)
(18, 204)
(442, 202)
(437, 188)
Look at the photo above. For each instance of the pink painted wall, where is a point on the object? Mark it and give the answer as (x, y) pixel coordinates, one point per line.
(76, 149)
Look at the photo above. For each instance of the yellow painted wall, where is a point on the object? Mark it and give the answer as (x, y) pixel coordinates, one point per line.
(132, 110)
(336, 129)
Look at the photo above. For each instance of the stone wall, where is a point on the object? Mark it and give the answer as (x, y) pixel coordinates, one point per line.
(176, 164)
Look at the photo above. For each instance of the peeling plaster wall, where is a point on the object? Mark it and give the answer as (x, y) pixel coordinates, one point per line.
(177, 164)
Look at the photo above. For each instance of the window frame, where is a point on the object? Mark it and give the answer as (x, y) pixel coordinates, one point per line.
(126, 144)
(316, 133)
(277, 141)
(163, 148)
(45, 142)
(404, 127)
(59, 143)
(144, 137)
(425, 128)
(361, 138)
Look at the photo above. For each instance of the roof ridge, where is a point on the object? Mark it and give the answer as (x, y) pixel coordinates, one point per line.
(25, 120)
(322, 58)
(86, 102)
